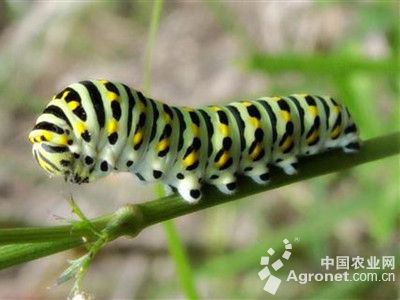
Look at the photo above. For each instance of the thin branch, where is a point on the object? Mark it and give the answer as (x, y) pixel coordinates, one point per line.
(131, 219)
(175, 246)
(373, 149)
(155, 20)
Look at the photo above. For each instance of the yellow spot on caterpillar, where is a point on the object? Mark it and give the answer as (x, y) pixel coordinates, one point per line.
(185, 108)
(286, 115)
(257, 150)
(47, 135)
(63, 140)
(288, 142)
(162, 145)
(276, 98)
(195, 130)
(336, 131)
(223, 159)
(224, 129)
(167, 118)
(313, 137)
(80, 127)
(112, 96)
(65, 94)
(137, 138)
(215, 108)
(73, 105)
(190, 159)
(246, 103)
(313, 110)
(103, 81)
(32, 136)
(336, 109)
(112, 126)
(255, 122)
(142, 107)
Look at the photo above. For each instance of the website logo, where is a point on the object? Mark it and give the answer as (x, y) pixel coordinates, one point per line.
(272, 284)
(340, 268)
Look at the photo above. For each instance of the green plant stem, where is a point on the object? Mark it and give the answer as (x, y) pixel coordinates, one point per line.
(175, 246)
(146, 214)
(53, 233)
(15, 254)
(373, 149)
(178, 253)
(155, 21)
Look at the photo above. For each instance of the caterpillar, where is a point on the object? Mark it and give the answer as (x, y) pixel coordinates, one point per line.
(95, 127)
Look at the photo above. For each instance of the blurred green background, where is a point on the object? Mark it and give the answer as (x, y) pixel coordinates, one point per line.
(206, 52)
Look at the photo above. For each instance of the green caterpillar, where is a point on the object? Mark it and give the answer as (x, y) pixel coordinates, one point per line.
(92, 128)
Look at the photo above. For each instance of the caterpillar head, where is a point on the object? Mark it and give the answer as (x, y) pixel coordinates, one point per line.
(52, 141)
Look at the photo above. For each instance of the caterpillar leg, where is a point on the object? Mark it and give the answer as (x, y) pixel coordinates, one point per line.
(190, 189)
(352, 147)
(226, 183)
(351, 142)
(310, 150)
(169, 190)
(259, 174)
(288, 165)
